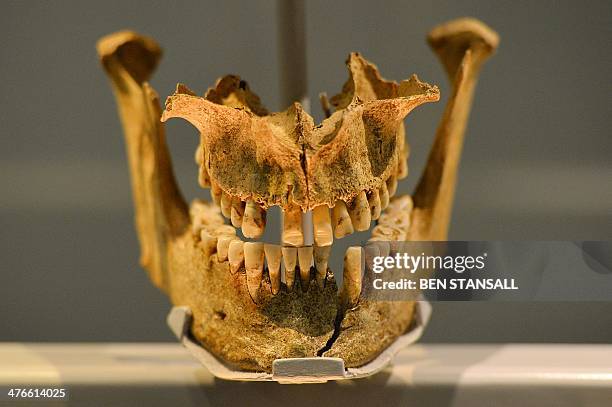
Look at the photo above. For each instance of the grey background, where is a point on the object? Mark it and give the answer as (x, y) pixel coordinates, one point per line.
(536, 164)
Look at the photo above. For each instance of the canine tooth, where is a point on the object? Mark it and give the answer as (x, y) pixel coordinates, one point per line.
(374, 202)
(254, 220)
(273, 258)
(341, 220)
(237, 212)
(360, 212)
(305, 260)
(321, 257)
(293, 234)
(392, 185)
(226, 205)
(215, 192)
(253, 263)
(383, 192)
(223, 243)
(235, 255)
(289, 260)
(351, 278)
(323, 234)
(208, 242)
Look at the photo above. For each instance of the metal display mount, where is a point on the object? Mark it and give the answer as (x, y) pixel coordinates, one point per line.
(296, 370)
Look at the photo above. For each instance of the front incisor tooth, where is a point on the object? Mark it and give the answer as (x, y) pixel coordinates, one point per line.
(341, 220)
(253, 263)
(351, 278)
(374, 202)
(323, 233)
(293, 234)
(360, 212)
(289, 260)
(235, 255)
(392, 185)
(223, 243)
(273, 258)
(226, 205)
(237, 212)
(253, 220)
(305, 260)
(383, 193)
(321, 258)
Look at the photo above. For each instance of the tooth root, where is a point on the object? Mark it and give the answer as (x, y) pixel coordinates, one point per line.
(223, 243)
(341, 220)
(235, 255)
(351, 278)
(392, 185)
(305, 260)
(323, 233)
(215, 192)
(383, 193)
(273, 258)
(289, 260)
(321, 257)
(253, 263)
(237, 212)
(360, 212)
(374, 202)
(208, 242)
(226, 205)
(254, 220)
(293, 235)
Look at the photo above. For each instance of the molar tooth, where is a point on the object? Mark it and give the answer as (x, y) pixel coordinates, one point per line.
(341, 220)
(293, 234)
(305, 260)
(289, 260)
(351, 278)
(374, 202)
(360, 212)
(392, 185)
(383, 192)
(253, 263)
(235, 254)
(223, 243)
(208, 242)
(321, 257)
(254, 220)
(215, 192)
(226, 205)
(237, 212)
(273, 258)
(383, 246)
(323, 234)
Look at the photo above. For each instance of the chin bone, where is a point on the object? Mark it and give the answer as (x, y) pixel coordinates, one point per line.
(252, 301)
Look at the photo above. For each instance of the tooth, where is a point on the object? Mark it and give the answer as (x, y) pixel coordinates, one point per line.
(225, 230)
(203, 177)
(383, 246)
(323, 234)
(321, 257)
(254, 220)
(208, 242)
(253, 263)
(305, 260)
(235, 254)
(226, 205)
(391, 233)
(215, 192)
(223, 243)
(374, 202)
(392, 185)
(351, 278)
(360, 212)
(289, 260)
(402, 168)
(403, 203)
(383, 192)
(237, 212)
(273, 258)
(341, 220)
(292, 226)
(199, 157)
